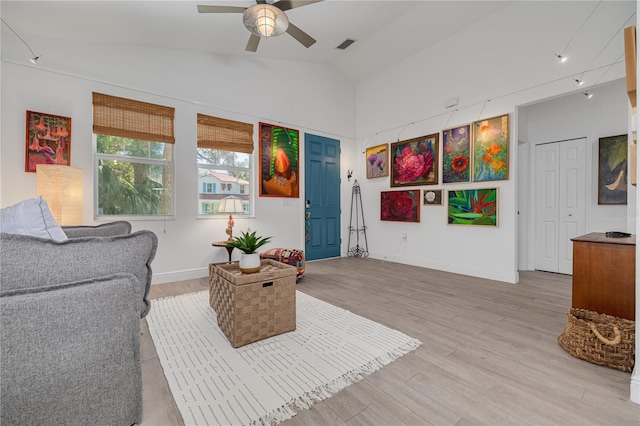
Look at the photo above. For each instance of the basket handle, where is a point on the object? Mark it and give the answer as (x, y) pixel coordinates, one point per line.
(603, 339)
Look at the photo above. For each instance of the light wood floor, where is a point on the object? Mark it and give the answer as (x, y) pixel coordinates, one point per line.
(489, 353)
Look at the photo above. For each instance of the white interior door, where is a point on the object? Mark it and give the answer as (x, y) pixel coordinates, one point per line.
(560, 200)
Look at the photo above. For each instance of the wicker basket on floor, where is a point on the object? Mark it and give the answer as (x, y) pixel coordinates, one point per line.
(600, 339)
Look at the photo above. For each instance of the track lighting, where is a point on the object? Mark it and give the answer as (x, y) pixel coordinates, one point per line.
(561, 58)
(35, 59)
(578, 81)
(588, 95)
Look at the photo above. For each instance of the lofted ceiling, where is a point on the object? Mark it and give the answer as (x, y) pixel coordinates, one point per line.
(385, 31)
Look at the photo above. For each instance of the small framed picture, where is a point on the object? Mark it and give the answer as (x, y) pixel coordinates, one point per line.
(432, 197)
(48, 140)
(377, 161)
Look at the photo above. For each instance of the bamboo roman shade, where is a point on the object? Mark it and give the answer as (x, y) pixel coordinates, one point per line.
(227, 135)
(132, 119)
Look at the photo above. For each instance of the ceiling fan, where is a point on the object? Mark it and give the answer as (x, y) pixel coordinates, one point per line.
(266, 20)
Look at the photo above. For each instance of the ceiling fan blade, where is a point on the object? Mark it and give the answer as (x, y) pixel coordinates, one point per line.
(292, 4)
(305, 39)
(220, 9)
(252, 44)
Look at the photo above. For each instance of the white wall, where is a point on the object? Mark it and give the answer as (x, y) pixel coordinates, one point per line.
(568, 117)
(492, 67)
(298, 95)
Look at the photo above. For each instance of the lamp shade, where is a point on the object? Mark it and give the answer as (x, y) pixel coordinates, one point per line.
(230, 204)
(61, 187)
(265, 20)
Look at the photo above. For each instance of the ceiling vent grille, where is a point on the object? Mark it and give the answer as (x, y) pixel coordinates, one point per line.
(348, 42)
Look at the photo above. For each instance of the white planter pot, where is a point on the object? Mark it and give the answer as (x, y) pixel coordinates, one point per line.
(250, 263)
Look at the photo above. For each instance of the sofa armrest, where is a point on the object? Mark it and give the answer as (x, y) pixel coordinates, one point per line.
(111, 229)
(29, 262)
(71, 353)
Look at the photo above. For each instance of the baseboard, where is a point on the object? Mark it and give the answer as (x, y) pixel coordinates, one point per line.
(168, 277)
(635, 384)
(508, 277)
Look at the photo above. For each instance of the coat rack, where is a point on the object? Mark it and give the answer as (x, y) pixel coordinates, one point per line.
(360, 227)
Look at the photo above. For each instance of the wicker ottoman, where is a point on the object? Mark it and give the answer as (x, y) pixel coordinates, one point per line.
(252, 307)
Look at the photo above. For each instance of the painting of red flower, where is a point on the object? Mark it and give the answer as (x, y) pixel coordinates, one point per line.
(400, 206)
(415, 161)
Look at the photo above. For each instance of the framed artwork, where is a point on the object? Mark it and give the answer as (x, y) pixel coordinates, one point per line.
(415, 161)
(48, 140)
(432, 197)
(612, 170)
(456, 154)
(473, 207)
(377, 161)
(400, 206)
(491, 149)
(279, 156)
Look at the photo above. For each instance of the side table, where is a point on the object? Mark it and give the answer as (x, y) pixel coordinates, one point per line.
(225, 245)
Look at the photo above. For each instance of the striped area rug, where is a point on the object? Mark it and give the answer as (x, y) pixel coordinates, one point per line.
(265, 382)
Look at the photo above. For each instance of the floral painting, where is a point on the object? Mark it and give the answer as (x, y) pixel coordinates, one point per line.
(473, 207)
(48, 140)
(612, 170)
(377, 161)
(279, 161)
(400, 206)
(456, 155)
(491, 149)
(432, 197)
(415, 161)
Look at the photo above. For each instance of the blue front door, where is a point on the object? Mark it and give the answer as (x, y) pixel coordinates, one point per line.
(322, 197)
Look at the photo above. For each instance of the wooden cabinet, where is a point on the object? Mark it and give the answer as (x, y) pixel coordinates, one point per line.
(604, 271)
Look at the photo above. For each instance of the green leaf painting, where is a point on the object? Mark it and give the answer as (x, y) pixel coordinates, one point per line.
(473, 207)
(612, 170)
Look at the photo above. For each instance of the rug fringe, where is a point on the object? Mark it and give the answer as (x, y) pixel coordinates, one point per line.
(327, 390)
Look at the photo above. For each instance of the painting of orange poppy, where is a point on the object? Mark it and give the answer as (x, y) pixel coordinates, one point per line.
(48, 140)
(279, 151)
(456, 154)
(491, 149)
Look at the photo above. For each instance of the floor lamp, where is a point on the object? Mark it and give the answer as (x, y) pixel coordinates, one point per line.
(61, 187)
(230, 205)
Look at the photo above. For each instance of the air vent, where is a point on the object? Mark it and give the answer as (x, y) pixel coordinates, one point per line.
(348, 42)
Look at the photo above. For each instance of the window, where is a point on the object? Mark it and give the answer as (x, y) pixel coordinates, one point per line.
(224, 158)
(134, 156)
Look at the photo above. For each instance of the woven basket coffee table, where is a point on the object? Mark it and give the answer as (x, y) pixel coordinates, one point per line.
(252, 307)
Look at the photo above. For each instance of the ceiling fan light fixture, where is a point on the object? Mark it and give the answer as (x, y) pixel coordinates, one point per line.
(265, 20)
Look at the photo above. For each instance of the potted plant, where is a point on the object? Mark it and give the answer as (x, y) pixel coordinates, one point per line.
(249, 243)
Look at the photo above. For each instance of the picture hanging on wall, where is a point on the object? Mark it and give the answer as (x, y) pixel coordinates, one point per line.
(279, 152)
(400, 206)
(612, 170)
(491, 149)
(48, 140)
(432, 197)
(473, 207)
(415, 161)
(456, 154)
(377, 158)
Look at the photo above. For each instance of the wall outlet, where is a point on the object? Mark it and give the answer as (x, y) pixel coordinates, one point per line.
(404, 236)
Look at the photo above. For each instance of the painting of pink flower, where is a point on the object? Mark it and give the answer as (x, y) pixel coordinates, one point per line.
(414, 161)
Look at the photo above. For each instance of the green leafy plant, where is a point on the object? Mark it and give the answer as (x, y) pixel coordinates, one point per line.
(248, 242)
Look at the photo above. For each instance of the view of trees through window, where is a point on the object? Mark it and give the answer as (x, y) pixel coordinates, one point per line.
(222, 174)
(134, 177)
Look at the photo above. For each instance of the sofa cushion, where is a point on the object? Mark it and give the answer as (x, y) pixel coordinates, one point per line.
(31, 217)
(120, 227)
(293, 257)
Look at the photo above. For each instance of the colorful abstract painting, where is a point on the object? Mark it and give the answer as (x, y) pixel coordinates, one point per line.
(456, 154)
(377, 158)
(491, 149)
(612, 169)
(279, 150)
(48, 140)
(473, 207)
(400, 206)
(415, 161)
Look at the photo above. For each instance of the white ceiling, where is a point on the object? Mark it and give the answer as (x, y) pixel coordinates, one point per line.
(385, 31)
